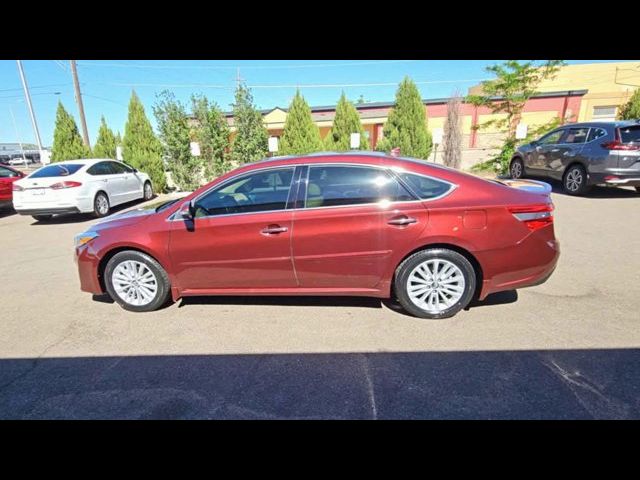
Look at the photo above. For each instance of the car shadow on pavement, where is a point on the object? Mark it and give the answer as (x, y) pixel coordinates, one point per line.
(293, 301)
(7, 212)
(511, 384)
(85, 217)
(500, 298)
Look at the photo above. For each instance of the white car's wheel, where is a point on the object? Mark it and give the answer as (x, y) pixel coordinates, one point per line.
(101, 205)
(147, 191)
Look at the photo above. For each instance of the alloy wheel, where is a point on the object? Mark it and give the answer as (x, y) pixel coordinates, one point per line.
(134, 282)
(435, 285)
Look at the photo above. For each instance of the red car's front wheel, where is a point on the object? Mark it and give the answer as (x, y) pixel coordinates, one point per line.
(136, 281)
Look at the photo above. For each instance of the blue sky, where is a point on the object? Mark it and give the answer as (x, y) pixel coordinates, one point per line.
(106, 85)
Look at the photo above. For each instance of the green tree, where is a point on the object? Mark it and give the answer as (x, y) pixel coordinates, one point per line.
(140, 147)
(251, 140)
(406, 126)
(514, 83)
(212, 133)
(173, 128)
(631, 109)
(67, 142)
(300, 134)
(346, 122)
(105, 146)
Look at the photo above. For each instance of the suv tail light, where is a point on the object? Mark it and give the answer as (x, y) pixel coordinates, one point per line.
(534, 216)
(17, 188)
(65, 184)
(618, 145)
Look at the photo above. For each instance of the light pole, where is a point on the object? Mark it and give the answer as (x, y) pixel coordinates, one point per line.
(27, 96)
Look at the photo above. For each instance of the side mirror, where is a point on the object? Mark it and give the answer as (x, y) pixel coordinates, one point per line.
(188, 210)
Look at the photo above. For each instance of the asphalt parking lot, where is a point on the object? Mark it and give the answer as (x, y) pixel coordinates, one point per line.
(566, 349)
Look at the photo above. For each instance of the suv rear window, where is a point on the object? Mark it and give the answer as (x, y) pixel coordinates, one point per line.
(57, 170)
(630, 134)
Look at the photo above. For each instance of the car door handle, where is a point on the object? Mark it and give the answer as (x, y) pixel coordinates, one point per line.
(403, 220)
(273, 230)
(105, 179)
(555, 150)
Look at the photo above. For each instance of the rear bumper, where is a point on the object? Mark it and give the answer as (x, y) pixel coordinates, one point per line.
(616, 177)
(47, 211)
(6, 203)
(527, 264)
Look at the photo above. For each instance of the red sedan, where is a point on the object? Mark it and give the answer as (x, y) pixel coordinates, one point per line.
(8, 175)
(361, 224)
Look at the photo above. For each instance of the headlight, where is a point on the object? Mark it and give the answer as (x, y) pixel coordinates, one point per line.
(84, 238)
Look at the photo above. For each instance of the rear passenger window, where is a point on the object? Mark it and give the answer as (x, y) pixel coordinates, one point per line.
(102, 168)
(575, 135)
(425, 187)
(331, 186)
(596, 133)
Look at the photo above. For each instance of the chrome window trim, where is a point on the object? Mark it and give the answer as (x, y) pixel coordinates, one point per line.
(388, 169)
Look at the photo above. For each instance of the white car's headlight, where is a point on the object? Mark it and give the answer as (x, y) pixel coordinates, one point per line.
(84, 238)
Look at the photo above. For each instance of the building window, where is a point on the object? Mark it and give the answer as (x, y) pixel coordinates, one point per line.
(604, 113)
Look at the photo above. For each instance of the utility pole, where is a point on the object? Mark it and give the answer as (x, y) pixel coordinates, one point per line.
(76, 87)
(28, 98)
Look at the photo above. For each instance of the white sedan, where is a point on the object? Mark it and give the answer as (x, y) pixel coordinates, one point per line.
(79, 186)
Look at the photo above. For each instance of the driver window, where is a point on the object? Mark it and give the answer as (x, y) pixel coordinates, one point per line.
(258, 192)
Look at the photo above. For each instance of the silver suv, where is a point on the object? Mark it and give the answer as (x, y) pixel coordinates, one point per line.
(584, 154)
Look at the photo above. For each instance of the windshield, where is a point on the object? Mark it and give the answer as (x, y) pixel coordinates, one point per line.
(57, 170)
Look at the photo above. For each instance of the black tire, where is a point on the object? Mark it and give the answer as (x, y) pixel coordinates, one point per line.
(574, 180)
(161, 277)
(405, 269)
(42, 218)
(147, 191)
(637, 189)
(99, 209)
(516, 169)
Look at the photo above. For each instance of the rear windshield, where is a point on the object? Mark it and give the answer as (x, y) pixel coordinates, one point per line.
(630, 134)
(57, 170)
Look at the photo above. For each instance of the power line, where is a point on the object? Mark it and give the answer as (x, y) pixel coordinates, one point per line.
(297, 85)
(234, 67)
(39, 86)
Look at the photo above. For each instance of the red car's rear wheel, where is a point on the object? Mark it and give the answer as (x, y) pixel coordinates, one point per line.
(435, 283)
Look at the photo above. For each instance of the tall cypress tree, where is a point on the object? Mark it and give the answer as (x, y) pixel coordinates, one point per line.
(140, 147)
(173, 126)
(300, 134)
(251, 140)
(631, 109)
(346, 122)
(67, 142)
(212, 133)
(105, 146)
(406, 126)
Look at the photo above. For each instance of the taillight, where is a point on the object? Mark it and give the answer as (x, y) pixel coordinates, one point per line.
(534, 216)
(66, 184)
(618, 145)
(17, 188)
